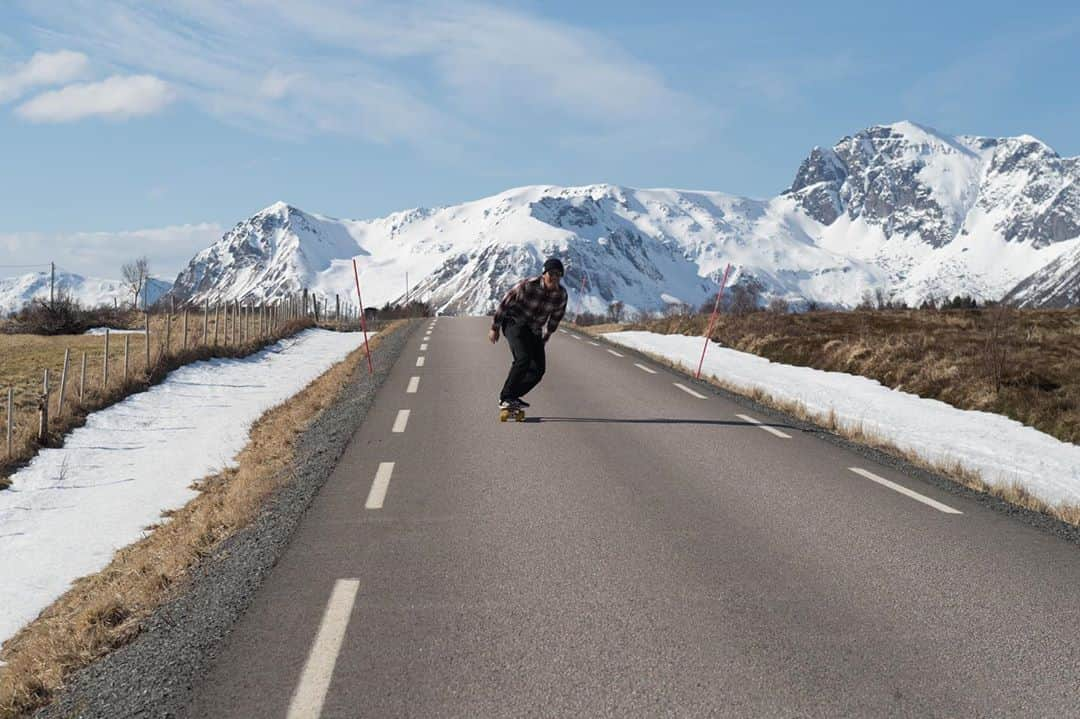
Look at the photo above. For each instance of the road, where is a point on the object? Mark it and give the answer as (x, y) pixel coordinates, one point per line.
(636, 550)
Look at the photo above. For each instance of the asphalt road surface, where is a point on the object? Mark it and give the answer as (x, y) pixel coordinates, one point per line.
(637, 549)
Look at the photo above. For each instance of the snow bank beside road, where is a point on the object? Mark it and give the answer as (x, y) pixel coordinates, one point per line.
(72, 508)
(1000, 449)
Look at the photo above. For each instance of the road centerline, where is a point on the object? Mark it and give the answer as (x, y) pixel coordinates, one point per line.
(402, 420)
(615, 353)
(642, 367)
(377, 494)
(307, 701)
(420, 361)
(414, 385)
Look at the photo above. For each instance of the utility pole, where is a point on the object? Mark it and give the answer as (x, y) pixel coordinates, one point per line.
(52, 284)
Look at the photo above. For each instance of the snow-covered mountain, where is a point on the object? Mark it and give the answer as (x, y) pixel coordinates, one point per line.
(16, 292)
(645, 248)
(1056, 285)
(898, 207)
(942, 215)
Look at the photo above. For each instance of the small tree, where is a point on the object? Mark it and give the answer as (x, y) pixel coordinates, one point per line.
(615, 311)
(744, 299)
(135, 275)
(779, 305)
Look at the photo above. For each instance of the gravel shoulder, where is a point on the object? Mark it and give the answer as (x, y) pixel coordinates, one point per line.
(154, 676)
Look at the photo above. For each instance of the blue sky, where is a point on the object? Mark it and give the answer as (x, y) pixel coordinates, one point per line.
(125, 125)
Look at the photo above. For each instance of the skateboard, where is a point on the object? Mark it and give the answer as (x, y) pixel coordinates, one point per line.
(518, 414)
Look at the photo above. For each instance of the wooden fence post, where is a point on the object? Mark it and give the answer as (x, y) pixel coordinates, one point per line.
(63, 384)
(217, 321)
(82, 379)
(10, 416)
(168, 335)
(148, 345)
(185, 327)
(127, 348)
(43, 425)
(206, 323)
(105, 364)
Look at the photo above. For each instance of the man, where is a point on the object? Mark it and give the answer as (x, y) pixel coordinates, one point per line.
(532, 304)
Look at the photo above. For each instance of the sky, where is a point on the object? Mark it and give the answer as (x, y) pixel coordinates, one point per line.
(130, 128)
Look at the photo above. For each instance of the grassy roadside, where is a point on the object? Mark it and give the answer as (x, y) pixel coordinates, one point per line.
(104, 611)
(1024, 364)
(946, 356)
(27, 356)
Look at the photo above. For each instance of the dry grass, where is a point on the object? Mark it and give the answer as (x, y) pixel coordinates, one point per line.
(104, 611)
(1024, 364)
(25, 357)
(943, 355)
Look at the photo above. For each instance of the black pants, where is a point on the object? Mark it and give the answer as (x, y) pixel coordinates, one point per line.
(529, 360)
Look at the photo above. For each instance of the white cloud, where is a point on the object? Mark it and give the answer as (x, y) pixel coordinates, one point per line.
(276, 84)
(118, 96)
(426, 73)
(101, 254)
(42, 69)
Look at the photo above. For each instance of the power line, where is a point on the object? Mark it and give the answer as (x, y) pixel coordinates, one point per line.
(44, 264)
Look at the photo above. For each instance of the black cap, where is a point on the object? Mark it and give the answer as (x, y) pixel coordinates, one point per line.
(554, 264)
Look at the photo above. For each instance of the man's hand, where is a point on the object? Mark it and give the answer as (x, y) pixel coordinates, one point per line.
(493, 335)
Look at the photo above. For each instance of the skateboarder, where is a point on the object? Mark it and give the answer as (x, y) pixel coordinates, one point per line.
(528, 315)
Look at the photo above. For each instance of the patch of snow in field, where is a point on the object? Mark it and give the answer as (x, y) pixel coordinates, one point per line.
(1001, 450)
(72, 508)
(100, 331)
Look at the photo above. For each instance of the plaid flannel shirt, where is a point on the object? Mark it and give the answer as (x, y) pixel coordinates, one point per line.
(529, 302)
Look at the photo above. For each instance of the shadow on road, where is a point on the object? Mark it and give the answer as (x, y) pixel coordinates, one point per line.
(659, 420)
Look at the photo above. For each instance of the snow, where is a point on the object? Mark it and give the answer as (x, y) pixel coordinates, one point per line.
(1003, 451)
(98, 331)
(90, 292)
(72, 508)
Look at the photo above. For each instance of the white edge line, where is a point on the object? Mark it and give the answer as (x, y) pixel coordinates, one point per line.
(402, 420)
(307, 700)
(650, 370)
(595, 344)
(377, 495)
(414, 384)
(689, 391)
(905, 491)
(762, 425)
(616, 353)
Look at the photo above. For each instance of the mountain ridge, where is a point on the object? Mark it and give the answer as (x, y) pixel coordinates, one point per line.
(900, 208)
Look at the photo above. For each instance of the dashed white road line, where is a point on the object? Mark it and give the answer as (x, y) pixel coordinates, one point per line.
(307, 700)
(905, 491)
(642, 367)
(564, 332)
(414, 384)
(377, 494)
(574, 336)
(762, 425)
(615, 353)
(420, 361)
(595, 344)
(689, 391)
(402, 420)
(423, 347)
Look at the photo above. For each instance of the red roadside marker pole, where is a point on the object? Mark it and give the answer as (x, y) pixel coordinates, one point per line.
(712, 321)
(363, 319)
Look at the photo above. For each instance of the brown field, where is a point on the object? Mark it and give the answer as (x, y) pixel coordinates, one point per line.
(1024, 364)
(24, 359)
(104, 611)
